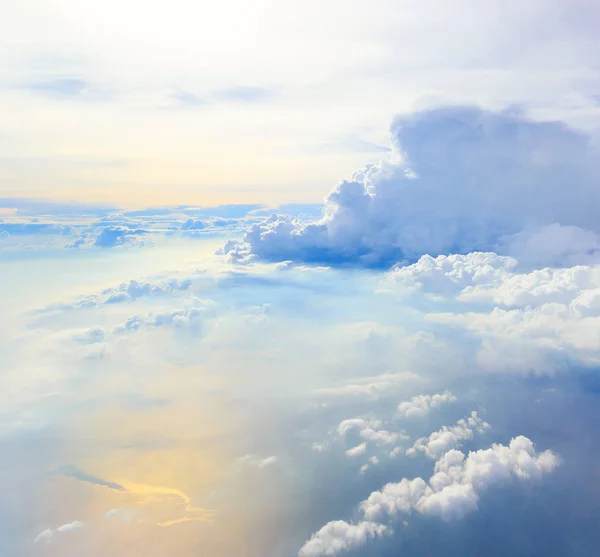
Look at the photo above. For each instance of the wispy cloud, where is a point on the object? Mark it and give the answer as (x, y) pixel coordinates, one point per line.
(246, 94)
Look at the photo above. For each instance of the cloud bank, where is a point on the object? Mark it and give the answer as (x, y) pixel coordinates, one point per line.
(452, 492)
(459, 180)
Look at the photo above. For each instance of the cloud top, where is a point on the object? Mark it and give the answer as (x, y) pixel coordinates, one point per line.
(459, 179)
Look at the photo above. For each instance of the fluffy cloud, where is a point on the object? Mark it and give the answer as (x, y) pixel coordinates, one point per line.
(127, 292)
(460, 179)
(112, 236)
(457, 482)
(452, 492)
(369, 430)
(530, 321)
(357, 451)
(338, 536)
(421, 405)
(449, 275)
(448, 438)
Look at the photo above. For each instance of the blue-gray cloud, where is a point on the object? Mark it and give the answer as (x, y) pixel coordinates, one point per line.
(67, 88)
(462, 179)
(246, 94)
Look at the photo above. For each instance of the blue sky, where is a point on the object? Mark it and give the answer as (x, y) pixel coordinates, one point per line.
(299, 279)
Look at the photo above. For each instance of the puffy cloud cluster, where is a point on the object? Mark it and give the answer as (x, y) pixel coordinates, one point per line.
(452, 492)
(127, 292)
(449, 275)
(454, 488)
(460, 179)
(448, 438)
(112, 236)
(421, 405)
(523, 320)
(368, 430)
(338, 536)
(368, 433)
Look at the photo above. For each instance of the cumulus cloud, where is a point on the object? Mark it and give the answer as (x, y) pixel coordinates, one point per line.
(193, 225)
(357, 451)
(112, 236)
(338, 536)
(457, 482)
(524, 320)
(421, 405)
(448, 438)
(126, 292)
(452, 492)
(449, 275)
(459, 180)
(370, 431)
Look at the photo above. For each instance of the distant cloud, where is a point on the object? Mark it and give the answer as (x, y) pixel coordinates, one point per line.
(338, 536)
(186, 99)
(369, 430)
(48, 535)
(245, 94)
(259, 462)
(111, 236)
(345, 145)
(75, 473)
(126, 292)
(61, 87)
(448, 438)
(357, 451)
(67, 88)
(421, 405)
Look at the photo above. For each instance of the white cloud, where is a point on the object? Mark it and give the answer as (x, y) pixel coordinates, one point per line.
(48, 534)
(461, 179)
(357, 451)
(338, 536)
(70, 527)
(44, 536)
(421, 405)
(532, 321)
(448, 275)
(369, 430)
(259, 462)
(457, 482)
(126, 292)
(380, 386)
(452, 492)
(448, 438)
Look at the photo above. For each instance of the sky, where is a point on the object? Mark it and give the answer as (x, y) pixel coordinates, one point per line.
(299, 279)
(266, 101)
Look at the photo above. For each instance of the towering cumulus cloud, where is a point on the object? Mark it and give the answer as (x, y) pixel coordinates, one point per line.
(459, 180)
